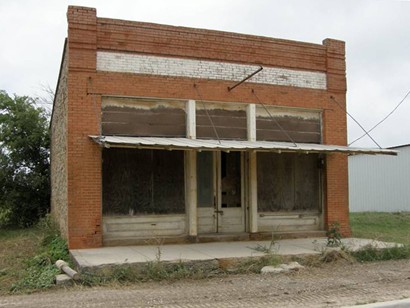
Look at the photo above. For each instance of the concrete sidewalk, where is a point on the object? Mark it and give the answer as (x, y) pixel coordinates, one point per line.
(109, 256)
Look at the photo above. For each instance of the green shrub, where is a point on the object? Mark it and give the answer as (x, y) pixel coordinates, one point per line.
(370, 253)
(334, 237)
(36, 277)
(40, 270)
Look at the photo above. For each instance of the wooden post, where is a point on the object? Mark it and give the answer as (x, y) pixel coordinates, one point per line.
(251, 121)
(253, 197)
(191, 119)
(191, 192)
(190, 175)
(252, 165)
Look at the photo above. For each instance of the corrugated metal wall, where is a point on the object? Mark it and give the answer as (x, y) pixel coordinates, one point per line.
(380, 183)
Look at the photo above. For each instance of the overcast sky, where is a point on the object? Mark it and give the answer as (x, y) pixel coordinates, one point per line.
(376, 32)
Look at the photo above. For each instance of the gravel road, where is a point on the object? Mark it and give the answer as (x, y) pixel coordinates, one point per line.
(330, 285)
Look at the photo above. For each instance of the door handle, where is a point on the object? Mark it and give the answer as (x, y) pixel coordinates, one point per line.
(219, 212)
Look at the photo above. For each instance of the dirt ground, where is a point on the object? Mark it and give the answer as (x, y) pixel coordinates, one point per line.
(330, 285)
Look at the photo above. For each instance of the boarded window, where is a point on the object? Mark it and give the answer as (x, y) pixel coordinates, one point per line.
(143, 182)
(228, 119)
(301, 126)
(142, 117)
(288, 182)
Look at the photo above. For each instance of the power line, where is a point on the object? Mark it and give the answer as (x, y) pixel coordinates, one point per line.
(344, 109)
(390, 113)
(273, 118)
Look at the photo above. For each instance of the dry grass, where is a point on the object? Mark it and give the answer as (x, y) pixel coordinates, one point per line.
(16, 246)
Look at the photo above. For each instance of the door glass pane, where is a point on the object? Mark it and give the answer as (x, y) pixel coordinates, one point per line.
(205, 179)
(231, 179)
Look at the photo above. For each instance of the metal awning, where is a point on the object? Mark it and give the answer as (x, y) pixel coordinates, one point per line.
(229, 145)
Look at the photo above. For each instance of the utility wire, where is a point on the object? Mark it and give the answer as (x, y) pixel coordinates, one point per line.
(207, 113)
(344, 109)
(273, 118)
(260, 103)
(384, 119)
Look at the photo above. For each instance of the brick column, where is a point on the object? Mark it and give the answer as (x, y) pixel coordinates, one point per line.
(335, 132)
(84, 113)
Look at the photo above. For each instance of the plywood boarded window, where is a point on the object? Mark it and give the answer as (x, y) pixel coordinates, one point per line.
(228, 119)
(143, 117)
(143, 182)
(288, 182)
(301, 126)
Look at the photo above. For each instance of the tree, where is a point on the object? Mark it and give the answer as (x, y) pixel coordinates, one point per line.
(24, 161)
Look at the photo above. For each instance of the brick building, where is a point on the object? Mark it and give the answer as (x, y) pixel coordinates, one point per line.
(151, 138)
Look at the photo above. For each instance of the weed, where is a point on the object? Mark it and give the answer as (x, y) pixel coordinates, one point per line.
(254, 265)
(273, 245)
(57, 249)
(39, 270)
(151, 271)
(36, 277)
(90, 279)
(333, 255)
(155, 270)
(371, 253)
(334, 237)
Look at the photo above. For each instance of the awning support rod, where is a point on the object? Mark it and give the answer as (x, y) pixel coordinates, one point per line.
(207, 113)
(246, 78)
(357, 122)
(273, 118)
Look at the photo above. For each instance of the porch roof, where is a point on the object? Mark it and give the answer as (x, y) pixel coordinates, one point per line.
(229, 145)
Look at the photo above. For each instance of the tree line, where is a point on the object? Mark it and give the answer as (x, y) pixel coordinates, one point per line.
(24, 161)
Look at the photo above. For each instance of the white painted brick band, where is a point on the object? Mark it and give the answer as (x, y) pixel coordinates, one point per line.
(177, 67)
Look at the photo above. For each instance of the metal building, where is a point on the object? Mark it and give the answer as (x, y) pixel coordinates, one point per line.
(380, 183)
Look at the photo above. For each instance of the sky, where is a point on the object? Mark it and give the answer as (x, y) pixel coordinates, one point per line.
(376, 32)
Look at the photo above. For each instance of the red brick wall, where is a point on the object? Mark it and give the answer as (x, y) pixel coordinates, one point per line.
(335, 132)
(148, 38)
(84, 157)
(87, 34)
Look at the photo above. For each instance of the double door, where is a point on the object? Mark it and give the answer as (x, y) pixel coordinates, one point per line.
(220, 191)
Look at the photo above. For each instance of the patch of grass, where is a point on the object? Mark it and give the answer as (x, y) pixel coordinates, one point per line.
(16, 245)
(254, 265)
(334, 255)
(174, 271)
(27, 257)
(389, 227)
(371, 253)
(151, 271)
(36, 277)
(158, 271)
